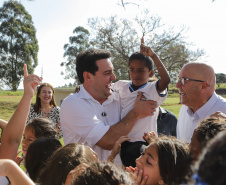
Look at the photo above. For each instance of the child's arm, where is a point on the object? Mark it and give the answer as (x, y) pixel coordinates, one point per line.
(3, 123)
(13, 131)
(116, 149)
(164, 76)
(14, 173)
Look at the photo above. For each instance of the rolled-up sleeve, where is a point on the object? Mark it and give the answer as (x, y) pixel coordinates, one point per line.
(80, 123)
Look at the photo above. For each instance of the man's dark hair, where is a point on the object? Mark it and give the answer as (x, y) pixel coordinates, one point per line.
(86, 61)
(138, 56)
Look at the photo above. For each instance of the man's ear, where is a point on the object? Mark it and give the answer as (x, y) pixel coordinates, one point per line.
(151, 73)
(86, 76)
(204, 86)
(161, 182)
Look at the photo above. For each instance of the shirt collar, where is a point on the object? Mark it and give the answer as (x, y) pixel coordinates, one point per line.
(83, 94)
(161, 113)
(202, 111)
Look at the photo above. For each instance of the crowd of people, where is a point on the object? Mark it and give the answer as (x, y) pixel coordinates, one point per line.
(117, 133)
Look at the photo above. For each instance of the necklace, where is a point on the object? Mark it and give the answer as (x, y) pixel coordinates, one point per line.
(45, 112)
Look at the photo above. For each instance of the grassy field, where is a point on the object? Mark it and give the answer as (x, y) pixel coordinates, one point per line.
(8, 104)
(9, 101)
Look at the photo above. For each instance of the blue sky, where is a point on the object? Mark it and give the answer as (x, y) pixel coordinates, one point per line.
(55, 20)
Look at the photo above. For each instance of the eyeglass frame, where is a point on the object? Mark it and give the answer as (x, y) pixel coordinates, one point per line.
(182, 78)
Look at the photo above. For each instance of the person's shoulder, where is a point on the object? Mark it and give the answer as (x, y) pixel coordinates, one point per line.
(57, 108)
(32, 107)
(221, 104)
(120, 84)
(152, 84)
(171, 114)
(183, 109)
(71, 97)
(74, 101)
(221, 99)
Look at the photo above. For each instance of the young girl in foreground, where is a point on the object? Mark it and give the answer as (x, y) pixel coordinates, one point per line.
(164, 161)
(36, 129)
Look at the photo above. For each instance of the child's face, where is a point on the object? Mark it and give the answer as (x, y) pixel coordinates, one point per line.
(195, 148)
(28, 138)
(139, 72)
(148, 162)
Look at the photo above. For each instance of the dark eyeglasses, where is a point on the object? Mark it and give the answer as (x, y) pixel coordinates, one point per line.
(182, 80)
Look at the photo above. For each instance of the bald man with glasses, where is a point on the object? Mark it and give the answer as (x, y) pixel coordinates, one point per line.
(196, 84)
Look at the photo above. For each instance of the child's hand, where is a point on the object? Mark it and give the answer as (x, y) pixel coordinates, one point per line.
(30, 82)
(18, 159)
(116, 149)
(148, 137)
(132, 172)
(145, 50)
(137, 175)
(118, 143)
(73, 174)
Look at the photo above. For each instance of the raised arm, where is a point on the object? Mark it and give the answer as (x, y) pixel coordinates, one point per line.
(164, 76)
(3, 123)
(14, 173)
(13, 131)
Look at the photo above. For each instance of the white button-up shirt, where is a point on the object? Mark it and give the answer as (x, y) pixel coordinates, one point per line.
(188, 121)
(128, 98)
(82, 120)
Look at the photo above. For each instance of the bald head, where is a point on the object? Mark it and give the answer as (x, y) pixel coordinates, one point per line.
(201, 71)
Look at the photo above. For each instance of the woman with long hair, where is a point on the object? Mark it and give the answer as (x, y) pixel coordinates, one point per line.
(46, 107)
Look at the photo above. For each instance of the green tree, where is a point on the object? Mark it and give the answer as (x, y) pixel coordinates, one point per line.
(18, 43)
(77, 43)
(220, 78)
(120, 36)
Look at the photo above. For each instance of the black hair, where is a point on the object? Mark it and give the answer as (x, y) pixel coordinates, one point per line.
(38, 153)
(211, 166)
(173, 159)
(63, 161)
(86, 61)
(102, 173)
(42, 127)
(138, 56)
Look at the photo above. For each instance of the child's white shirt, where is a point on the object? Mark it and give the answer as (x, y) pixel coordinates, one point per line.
(128, 98)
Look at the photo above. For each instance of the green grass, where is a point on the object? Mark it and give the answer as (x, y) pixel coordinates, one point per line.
(9, 102)
(172, 104)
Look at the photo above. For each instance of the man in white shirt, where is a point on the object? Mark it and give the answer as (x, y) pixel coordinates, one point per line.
(92, 116)
(196, 86)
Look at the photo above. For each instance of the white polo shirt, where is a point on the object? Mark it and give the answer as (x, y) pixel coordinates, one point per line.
(128, 98)
(188, 121)
(82, 120)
